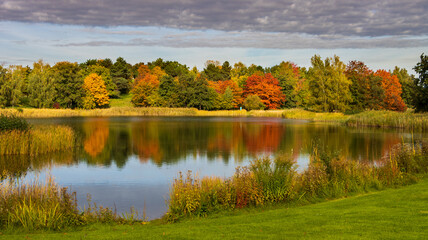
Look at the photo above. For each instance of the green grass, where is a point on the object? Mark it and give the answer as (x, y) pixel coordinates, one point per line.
(409, 120)
(123, 101)
(390, 214)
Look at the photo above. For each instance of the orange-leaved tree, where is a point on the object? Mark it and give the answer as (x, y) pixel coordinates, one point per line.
(392, 89)
(145, 92)
(267, 88)
(221, 86)
(96, 94)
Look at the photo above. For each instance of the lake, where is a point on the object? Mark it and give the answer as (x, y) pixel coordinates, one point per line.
(132, 161)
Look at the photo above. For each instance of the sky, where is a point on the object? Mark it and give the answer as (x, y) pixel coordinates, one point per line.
(382, 33)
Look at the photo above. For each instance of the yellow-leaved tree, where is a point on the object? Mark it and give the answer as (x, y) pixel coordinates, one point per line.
(96, 94)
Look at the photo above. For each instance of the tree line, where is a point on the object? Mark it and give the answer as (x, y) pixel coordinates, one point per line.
(329, 85)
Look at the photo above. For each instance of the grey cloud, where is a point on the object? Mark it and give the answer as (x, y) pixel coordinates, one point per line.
(334, 17)
(259, 40)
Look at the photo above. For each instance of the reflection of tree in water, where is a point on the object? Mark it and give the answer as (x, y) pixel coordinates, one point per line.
(145, 139)
(16, 166)
(96, 137)
(264, 138)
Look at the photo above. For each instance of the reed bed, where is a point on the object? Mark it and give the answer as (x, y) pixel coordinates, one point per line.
(266, 113)
(104, 112)
(266, 181)
(37, 206)
(297, 113)
(37, 141)
(222, 113)
(390, 119)
(47, 206)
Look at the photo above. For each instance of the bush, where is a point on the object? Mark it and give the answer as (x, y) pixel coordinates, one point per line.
(13, 122)
(253, 102)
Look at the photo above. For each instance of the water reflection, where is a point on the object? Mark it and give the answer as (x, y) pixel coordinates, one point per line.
(128, 161)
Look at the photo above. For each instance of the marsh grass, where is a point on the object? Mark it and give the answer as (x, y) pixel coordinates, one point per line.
(266, 181)
(37, 206)
(45, 205)
(297, 113)
(408, 120)
(36, 141)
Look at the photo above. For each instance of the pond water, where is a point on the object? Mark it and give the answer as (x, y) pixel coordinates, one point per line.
(132, 161)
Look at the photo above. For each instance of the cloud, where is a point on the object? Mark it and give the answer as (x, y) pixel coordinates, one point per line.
(220, 39)
(363, 18)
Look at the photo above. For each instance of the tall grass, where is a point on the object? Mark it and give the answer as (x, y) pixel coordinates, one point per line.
(297, 113)
(35, 206)
(37, 141)
(408, 120)
(47, 206)
(267, 181)
(105, 112)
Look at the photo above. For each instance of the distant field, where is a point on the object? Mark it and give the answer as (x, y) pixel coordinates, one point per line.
(123, 101)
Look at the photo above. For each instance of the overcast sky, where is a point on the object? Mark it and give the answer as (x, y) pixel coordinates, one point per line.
(382, 33)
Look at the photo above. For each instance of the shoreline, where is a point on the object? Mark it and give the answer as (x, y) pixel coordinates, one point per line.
(382, 118)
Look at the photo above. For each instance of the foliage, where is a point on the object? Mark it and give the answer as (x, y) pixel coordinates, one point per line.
(12, 122)
(421, 85)
(68, 85)
(265, 181)
(104, 73)
(41, 86)
(291, 82)
(253, 102)
(121, 75)
(145, 88)
(96, 93)
(267, 88)
(392, 90)
(328, 85)
(407, 85)
(366, 88)
(233, 99)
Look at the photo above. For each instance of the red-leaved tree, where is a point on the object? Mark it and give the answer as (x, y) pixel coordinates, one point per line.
(267, 88)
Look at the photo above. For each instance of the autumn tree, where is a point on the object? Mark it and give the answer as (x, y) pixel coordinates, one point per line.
(145, 92)
(421, 85)
(96, 94)
(105, 74)
(328, 85)
(267, 88)
(172, 68)
(235, 92)
(392, 90)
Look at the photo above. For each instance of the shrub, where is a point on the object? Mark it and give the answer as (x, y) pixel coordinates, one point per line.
(13, 122)
(253, 102)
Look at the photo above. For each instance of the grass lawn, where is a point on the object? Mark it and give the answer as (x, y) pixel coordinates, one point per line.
(390, 214)
(123, 101)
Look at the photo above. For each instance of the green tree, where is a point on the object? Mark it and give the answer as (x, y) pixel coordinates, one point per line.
(13, 90)
(407, 84)
(122, 75)
(195, 92)
(253, 102)
(68, 85)
(421, 85)
(289, 76)
(41, 85)
(328, 85)
(168, 91)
